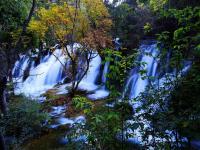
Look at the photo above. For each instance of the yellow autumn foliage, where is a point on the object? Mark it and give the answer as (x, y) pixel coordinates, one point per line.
(96, 11)
(63, 21)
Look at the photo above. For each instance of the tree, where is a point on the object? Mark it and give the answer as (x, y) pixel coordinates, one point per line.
(157, 4)
(12, 17)
(181, 4)
(85, 22)
(106, 126)
(128, 20)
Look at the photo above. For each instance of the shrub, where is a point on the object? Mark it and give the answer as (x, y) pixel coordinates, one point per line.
(24, 120)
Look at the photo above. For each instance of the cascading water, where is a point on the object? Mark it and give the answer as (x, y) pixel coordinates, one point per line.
(101, 92)
(42, 77)
(88, 82)
(20, 66)
(54, 75)
(105, 71)
(50, 71)
(136, 83)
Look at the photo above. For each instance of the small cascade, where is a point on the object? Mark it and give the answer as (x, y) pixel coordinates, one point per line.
(44, 59)
(105, 72)
(88, 82)
(20, 66)
(54, 75)
(15, 71)
(136, 82)
(101, 92)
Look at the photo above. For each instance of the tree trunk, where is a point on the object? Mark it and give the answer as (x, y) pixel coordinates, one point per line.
(25, 24)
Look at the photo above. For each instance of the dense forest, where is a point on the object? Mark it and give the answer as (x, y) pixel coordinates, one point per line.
(99, 74)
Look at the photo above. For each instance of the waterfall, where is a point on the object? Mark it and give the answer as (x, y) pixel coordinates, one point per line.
(148, 57)
(41, 77)
(49, 72)
(136, 83)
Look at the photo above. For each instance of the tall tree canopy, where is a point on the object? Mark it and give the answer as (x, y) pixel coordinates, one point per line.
(72, 22)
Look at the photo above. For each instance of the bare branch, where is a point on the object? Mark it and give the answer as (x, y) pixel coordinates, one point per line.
(60, 61)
